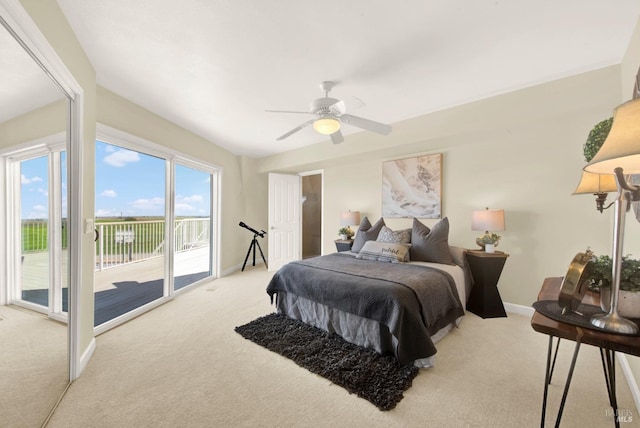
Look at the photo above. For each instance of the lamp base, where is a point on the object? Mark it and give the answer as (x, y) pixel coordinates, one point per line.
(614, 322)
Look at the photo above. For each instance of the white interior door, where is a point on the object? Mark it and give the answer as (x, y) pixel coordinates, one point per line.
(284, 219)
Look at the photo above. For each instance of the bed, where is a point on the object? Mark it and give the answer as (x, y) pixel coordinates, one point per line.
(374, 297)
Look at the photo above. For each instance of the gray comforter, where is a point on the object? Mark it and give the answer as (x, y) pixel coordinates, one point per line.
(414, 302)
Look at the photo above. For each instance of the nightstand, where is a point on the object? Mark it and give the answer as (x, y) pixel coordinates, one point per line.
(486, 268)
(343, 244)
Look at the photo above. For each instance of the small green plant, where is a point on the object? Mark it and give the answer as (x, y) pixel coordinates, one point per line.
(489, 238)
(596, 137)
(600, 274)
(346, 231)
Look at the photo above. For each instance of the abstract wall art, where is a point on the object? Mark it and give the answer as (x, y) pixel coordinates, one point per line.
(412, 187)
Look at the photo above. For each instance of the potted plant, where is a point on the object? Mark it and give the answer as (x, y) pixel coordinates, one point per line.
(488, 241)
(629, 297)
(345, 233)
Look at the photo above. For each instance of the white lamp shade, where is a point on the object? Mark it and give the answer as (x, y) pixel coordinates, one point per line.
(596, 183)
(488, 220)
(350, 218)
(622, 146)
(326, 125)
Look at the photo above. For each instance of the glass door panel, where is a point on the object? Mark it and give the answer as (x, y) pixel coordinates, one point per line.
(130, 231)
(192, 226)
(34, 231)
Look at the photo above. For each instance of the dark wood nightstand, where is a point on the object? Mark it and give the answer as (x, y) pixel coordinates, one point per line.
(486, 268)
(343, 244)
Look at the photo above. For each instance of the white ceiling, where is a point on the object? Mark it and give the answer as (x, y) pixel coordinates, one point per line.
(214, 66)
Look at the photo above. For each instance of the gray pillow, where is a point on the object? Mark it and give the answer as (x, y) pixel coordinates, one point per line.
(395, 237)
(431, 245)
(383, 252)
(365, 233)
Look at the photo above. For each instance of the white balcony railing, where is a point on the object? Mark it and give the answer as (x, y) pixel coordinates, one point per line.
(124, 242)
(132, 241)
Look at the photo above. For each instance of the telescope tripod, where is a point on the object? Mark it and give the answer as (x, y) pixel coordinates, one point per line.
(252, 246)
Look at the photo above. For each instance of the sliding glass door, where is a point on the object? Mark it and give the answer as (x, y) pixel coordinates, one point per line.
(154, 228)
(192, 226)
(39, 222)
(130, 231)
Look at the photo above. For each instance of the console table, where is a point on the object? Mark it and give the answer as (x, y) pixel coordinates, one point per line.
(609, 344)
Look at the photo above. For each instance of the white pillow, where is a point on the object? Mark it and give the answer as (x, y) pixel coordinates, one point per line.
(384, 252)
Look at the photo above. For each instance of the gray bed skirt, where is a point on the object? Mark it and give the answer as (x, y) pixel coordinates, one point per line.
(353, 328)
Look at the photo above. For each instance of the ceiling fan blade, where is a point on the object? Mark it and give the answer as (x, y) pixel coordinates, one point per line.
(369, 125)
(288, 111)
(296, 129)
(338, 108)
(337, 137)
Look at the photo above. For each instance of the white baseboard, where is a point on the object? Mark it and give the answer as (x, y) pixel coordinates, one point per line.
(631, 380)
(238, 267)
(518, 309)
(86, 356)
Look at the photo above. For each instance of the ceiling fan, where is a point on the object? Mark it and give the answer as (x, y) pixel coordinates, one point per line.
(329, 113)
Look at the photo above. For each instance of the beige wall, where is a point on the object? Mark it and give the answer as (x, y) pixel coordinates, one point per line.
(521, 151)
(120, 113)
(39, 123)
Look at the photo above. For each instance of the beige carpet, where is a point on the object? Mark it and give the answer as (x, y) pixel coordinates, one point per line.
(182, 365)
(33, 366)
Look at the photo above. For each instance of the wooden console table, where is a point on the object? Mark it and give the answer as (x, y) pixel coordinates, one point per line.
(609, 344)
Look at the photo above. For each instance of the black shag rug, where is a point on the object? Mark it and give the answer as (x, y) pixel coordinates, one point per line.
(376, 378)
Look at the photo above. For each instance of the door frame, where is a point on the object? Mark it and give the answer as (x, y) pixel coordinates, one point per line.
(19, 23)
(319, 172)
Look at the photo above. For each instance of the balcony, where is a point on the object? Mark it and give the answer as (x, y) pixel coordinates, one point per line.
(129, 263)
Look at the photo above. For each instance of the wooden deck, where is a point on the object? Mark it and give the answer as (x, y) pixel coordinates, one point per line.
(120, 289)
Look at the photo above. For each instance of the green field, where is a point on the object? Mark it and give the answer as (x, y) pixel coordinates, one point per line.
(149, 234)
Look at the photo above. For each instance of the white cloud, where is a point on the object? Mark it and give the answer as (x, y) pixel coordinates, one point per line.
(43, 191)
(181, 207)
(192, 198)
(109, 193)
(152, 203)
(26, 180)
(121, 157)
(106, 213)
(38, 211)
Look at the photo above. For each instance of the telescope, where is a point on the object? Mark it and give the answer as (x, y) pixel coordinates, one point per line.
(254, 244)
(260, 234)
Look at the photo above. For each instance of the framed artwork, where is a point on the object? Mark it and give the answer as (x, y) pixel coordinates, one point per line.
(412, 187)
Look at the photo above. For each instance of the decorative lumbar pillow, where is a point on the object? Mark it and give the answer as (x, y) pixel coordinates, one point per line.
(396, 237)
(383, 252)
(366, 232)
(431, 245)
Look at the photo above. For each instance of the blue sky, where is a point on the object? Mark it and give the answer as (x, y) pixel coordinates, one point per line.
(128, 184)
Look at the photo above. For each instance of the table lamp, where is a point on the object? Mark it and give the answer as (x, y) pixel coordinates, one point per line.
(598, 185)
(619, 155)
(349, 218)
(490, 221)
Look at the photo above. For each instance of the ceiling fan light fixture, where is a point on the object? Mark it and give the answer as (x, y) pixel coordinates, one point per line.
(326, 125)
